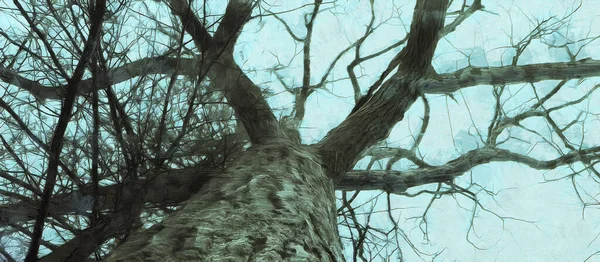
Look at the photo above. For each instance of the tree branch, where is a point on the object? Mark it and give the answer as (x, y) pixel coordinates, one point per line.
(61, 127)
(398, 181)
(192, 24)
(472, 76)
(372, 122)
(217, 61)
(463, 15)
(161, 188)
(177, 186)
(142, 67)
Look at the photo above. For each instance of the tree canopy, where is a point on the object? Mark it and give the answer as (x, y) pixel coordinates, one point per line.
(453, 130)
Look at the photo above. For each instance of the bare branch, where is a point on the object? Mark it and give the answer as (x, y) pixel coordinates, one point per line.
(61, 127)
(159, 188)
(304, 91)
(373, 121)
(142, 67)
(218, 64)
(398, 181)
(473, 76)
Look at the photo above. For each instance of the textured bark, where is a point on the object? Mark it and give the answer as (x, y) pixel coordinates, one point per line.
(275, 204)
(506, 75)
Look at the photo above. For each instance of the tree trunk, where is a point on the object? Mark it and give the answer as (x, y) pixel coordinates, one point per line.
(275, 204)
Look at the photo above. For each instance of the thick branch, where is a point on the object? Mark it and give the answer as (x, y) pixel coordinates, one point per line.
(448, 83)
(192, 24)
(142, 67)
(236, 15)
(451, 27)
(217, 61)
(398, 181)
(472, 76)
(373, 121)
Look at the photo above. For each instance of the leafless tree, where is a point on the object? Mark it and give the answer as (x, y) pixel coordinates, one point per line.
(129, 147)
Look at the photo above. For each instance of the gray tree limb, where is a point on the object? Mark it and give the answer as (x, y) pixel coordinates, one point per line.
(373, 121)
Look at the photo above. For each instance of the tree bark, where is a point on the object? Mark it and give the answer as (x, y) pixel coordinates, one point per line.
(274, 204)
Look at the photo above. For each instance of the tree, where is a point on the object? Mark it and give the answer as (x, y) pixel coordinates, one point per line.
(174, 154)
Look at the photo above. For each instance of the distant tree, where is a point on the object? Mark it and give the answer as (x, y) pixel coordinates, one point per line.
(131, 134)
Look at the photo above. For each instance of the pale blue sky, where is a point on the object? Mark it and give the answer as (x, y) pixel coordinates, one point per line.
(558, 231)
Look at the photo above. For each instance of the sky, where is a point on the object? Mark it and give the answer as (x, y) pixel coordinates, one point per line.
(528, 218)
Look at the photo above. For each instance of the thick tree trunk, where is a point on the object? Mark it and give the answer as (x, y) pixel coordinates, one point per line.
(275, 204)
